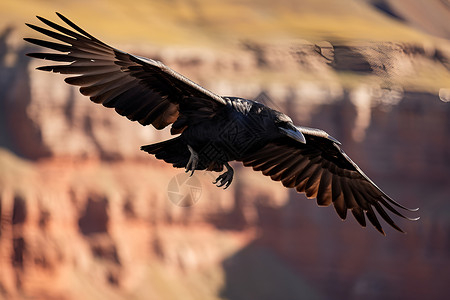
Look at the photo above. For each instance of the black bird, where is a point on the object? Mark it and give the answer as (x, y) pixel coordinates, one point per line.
(214, 130)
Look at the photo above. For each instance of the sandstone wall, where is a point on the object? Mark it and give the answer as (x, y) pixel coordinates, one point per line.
(85, 214)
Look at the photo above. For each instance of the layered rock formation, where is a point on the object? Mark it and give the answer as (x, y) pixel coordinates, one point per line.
(85, 214)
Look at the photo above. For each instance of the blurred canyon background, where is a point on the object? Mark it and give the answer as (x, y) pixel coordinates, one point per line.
(85, 214)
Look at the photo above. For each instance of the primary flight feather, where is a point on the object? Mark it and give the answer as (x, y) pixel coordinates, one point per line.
(214, 130)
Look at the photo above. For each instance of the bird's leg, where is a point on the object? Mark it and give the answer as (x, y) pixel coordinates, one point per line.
(226, 178)
(193, 161)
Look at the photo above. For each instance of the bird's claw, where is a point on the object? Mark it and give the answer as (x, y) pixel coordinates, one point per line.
(192, 163)
(189, 168)
(225, 179)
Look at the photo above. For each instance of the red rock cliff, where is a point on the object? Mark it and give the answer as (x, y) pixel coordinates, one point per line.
(85, 214)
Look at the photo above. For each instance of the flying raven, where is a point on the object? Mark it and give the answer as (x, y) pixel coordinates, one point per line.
(214, 130)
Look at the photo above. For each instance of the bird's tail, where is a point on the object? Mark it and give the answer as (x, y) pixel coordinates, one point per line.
(173, 151)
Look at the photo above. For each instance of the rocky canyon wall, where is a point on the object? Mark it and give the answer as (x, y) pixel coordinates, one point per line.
(85, 214)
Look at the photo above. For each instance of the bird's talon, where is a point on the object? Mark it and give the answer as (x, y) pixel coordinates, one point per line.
(227, 185)
(225, 179)
(192, 163)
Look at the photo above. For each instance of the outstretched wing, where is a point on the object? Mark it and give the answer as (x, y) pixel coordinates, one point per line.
(320, 169)
(141, 89)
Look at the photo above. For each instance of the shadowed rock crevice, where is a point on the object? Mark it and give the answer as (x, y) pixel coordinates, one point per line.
(386, 8)
(128, 209)
(113, 278)
(103, 247)
(93, 224)
(19, 211)
(44, 218)
(347, 59)
(18, 252)
(95, 218)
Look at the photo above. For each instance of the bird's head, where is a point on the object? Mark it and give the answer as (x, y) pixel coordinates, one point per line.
(287, 128)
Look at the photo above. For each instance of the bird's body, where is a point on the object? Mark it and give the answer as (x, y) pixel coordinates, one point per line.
(240, 127)
(214, 130)
(237, 129)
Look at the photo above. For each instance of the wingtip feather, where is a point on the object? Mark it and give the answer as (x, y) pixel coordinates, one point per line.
(45, 68)
(41, 19)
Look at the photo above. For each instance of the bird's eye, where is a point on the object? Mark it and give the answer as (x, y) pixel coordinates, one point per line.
(284, 124)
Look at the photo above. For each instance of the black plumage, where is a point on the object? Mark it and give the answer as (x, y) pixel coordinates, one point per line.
(214, 130)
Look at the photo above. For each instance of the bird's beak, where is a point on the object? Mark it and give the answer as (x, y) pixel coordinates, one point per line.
(293, 133)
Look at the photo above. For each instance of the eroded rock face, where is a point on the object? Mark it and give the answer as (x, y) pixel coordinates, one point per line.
(48, 118)
(88, 215)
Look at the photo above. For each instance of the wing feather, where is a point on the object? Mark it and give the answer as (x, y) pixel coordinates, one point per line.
(324, 193)
(320, 169)
(337, 197)
(358, 213)
(141, 89)
(312, 185)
